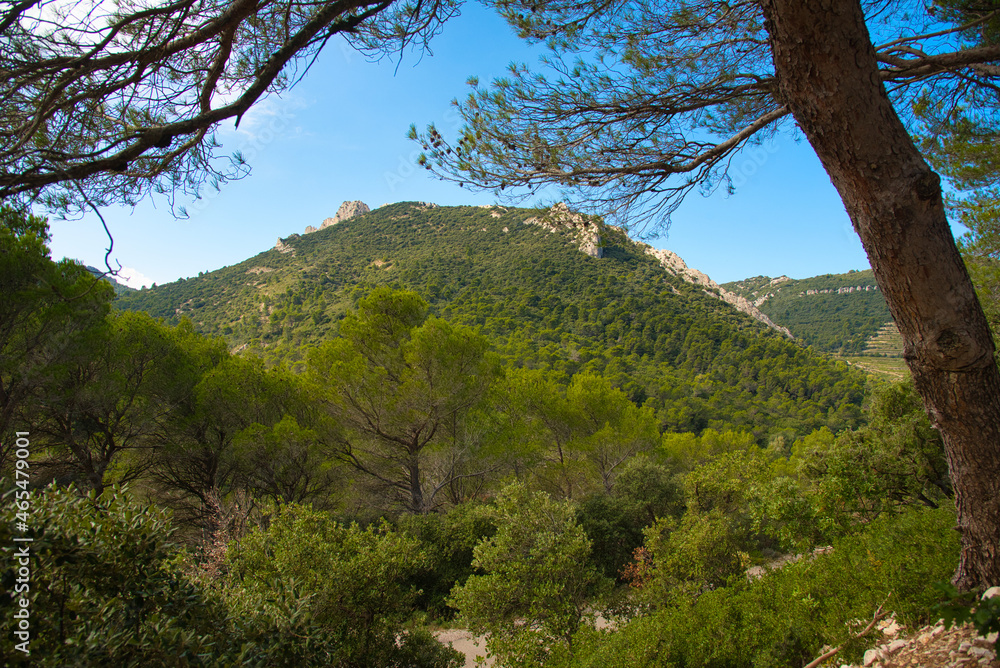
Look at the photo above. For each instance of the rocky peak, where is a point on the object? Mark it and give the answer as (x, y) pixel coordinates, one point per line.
(346, 211)
(283, 247)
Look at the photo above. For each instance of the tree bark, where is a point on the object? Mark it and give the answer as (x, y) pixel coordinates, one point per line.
(416, 489)
(828, 76)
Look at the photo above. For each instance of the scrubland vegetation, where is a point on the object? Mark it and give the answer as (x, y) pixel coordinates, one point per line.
(194, 507)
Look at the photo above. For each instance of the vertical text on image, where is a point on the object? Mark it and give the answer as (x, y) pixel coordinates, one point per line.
(22, 544)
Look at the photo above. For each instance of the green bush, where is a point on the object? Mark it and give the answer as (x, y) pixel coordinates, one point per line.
(108, 586)
(306, 569)
(643, 492)
(448, 540)
(105, 588)
(787, 616)
(532, 594)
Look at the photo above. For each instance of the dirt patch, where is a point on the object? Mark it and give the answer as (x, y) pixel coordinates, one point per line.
(473, 647)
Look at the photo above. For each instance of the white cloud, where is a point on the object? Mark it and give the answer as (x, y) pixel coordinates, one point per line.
(133, 279)
(271, 118)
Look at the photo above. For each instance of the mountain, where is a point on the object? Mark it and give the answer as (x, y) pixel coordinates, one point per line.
(551, 289)
(119, 287)
(837, 313)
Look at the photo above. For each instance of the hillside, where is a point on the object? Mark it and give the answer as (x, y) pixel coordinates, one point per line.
(837, 313)
(119, 287)
(550, 289)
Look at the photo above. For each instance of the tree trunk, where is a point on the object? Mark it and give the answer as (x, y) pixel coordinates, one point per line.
(828, 76)
(416, 490)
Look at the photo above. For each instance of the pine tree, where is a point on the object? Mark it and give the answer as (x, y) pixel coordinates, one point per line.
(668, 93)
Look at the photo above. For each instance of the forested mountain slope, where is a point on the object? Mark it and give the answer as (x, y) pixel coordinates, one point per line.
(836, 313)
(119, 287)
(533, 283)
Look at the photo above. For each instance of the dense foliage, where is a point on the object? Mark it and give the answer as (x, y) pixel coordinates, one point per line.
(539, 301)
(787, 616)
(834, 313)
(109, 586)
(45, 305)
(534, 582)
(425, 467)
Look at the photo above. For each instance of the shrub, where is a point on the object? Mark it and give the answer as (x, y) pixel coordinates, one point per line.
(108, 586)
(787, 616)
(448, 540)
(342, 587)
(536, 580)
(105, 588)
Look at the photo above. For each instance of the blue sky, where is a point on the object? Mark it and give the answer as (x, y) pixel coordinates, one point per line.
(341, 135)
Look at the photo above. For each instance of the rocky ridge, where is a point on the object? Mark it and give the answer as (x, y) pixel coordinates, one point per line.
(283, 247)
(676, 266)
(586, 229)
(587, 233)
(845, 290)
(759, 293)
(347, 210)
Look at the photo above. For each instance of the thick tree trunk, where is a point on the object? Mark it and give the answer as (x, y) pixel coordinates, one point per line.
(416, 489)
(828, 76)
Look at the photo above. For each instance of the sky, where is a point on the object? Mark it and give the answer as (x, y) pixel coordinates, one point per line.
(340, 135)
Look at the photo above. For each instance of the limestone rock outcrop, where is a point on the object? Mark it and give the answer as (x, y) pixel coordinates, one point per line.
(346, 211)
(283, 246)
(676, 266)
(586, 229)
(843, 290)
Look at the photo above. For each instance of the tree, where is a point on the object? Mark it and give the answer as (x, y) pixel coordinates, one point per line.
(980, 247)
(230, 400)
(960, 142)
(287, 463)
(404, 388)
(105, 407)
(896, 460)
(674, 89)
(535, 582)
(109, 102)
(45, 306)
(587, 428)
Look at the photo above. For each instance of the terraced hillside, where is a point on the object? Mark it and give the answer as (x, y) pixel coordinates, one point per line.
(836, 313)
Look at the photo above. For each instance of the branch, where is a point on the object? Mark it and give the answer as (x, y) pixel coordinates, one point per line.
(879, 614)
(719, 150)
(12, 14)
(98, 107)
(921, 67)
(940, 33)
(664, 168)
(153, 137)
